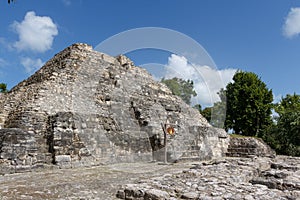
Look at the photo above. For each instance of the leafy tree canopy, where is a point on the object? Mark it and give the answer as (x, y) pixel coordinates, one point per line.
(3, 88)
(288, 104)
(182, 88)
(216, 114)
(249, 104)
(198, 107)
(206, 112)
(284, 135)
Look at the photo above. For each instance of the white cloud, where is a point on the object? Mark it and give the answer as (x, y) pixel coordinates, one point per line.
(207, 81)
(36, 33)
(31, 65)
(291, 26)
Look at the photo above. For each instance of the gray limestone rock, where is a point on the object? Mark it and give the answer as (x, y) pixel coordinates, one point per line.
(85, 108)
(231, 178)
(190, 195)
(155, 194)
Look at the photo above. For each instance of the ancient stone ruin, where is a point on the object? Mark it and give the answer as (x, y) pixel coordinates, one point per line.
(85, 108)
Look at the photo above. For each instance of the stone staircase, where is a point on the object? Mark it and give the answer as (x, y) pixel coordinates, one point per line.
(248, 147)
(191, 154)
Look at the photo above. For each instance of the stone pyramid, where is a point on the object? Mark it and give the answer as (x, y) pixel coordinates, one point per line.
(85, 108)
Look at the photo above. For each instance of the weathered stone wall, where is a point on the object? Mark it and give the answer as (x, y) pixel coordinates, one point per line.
(91, 144)
(87, 108)
(19, 151)
(2, 117)
(248, 147)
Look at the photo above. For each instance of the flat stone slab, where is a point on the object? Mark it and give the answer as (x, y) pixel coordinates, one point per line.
(228, 178)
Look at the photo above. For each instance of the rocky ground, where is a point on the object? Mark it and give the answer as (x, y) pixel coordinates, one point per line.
(227, 178)
(231, 178)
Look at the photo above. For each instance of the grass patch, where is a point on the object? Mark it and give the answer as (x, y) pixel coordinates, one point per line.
(242, 136)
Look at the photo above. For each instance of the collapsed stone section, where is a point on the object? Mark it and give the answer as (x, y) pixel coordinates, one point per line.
(87, 108)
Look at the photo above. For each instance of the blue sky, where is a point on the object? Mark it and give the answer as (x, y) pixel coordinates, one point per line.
(261, 36)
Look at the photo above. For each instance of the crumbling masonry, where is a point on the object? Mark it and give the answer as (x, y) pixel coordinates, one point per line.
(85, 108)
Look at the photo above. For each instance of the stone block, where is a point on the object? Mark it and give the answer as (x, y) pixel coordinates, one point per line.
(62, 158)
(155, 194)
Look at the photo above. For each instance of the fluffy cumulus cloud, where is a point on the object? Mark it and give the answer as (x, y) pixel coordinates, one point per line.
(31, 65)
(207, 81)
(36, 33)
(291, 26)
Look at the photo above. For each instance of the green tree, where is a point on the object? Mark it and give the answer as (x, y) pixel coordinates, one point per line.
(216, 114)
(182, 88)
(3, 88)
(206, 112)
(249, 104)
(284, 134)
(198, 107)
(218, 111)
